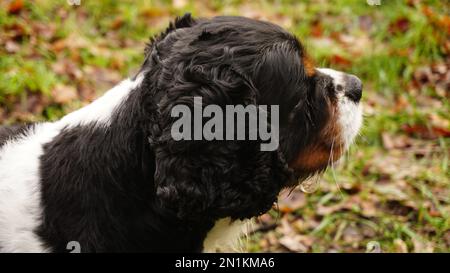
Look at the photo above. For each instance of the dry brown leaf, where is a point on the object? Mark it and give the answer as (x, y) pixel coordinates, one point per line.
(316, 29)
(87, 92)
(351, 235)
(368, 209)
(392, 191)
(102, 77)
(117, 23)
(365, 22)
(12, 47)
(400, 246)
(340, 60)
(17, 31)
(63, 94)
(395, 142)
(388, 143)
(73, 42)
(291, 201)
(153, 12)
(15, 6)
(447, 237)
(424, 132)
(401, 25)
(67, 67)
(44, 30)
(59, 45)
(292, 244)
(326, 210)
(421, 246)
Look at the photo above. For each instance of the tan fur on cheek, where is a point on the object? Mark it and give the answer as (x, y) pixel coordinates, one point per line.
(327, 148)
(314, 158)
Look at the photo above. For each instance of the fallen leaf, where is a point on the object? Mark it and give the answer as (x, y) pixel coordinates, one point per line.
(67, 67)
(401, 25)
(388, 143)
(15, 6)
(340, 60)
(400, 246)
(391, 191)
(291, 201)
(424, 132)
(365, 23)
(351, 235)
(292, 244)
(316, 29)
(87, 92)
(17, 31)
(447, 237)
(63, 94)
(117, 23)
(326, 210)
(103, 77)
(395, 142)
(36, 103)
(421, 246)
(44, 30)
(12, 47)
(153, 12)
(59, 45)
(368, 209)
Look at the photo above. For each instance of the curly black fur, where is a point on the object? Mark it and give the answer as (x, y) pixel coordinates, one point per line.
(131, 187)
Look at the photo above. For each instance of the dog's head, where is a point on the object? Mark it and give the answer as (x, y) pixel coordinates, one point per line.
(239, 61)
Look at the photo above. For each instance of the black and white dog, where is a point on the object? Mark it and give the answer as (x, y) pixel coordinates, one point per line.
(110, 176)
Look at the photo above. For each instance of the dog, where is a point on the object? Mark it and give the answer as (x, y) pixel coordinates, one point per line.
(111, 178)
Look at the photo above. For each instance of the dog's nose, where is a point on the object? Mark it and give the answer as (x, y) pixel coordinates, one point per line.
(353, 88)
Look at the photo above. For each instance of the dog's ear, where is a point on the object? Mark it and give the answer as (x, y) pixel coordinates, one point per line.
(207, 180)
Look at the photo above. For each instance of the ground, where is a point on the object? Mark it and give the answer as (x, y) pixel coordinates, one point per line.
(390, 193)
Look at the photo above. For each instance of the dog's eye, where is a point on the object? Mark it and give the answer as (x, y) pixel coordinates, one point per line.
(330, 90)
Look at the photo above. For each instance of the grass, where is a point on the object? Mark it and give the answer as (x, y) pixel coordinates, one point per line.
(393, 187)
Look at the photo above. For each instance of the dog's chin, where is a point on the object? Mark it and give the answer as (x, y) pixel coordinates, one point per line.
(348, 108)
(350, 120)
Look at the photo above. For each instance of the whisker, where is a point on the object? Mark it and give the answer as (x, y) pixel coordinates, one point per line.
(333, 169)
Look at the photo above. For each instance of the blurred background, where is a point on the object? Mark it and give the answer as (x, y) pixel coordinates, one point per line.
(390, 193)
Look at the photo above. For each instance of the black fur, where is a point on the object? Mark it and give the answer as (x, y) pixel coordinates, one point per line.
(13, 132)
(131, 187)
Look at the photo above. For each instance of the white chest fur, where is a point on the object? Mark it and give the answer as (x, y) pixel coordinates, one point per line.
(226, 235)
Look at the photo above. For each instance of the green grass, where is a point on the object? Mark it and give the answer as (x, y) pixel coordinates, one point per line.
(397, 196)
